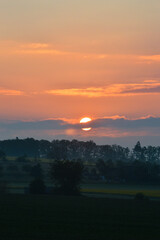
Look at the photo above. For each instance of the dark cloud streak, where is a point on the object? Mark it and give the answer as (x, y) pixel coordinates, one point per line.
(122, 123)
(144, 90)
(104, 130)
(57, 124)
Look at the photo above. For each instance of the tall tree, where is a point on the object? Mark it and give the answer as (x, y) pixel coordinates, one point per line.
(138, 152)
(66, 176)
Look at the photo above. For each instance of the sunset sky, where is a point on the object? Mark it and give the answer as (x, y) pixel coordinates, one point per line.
(61, 60)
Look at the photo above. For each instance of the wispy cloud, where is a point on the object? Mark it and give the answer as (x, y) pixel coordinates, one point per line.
(10, 92)
(110, 90)
(35, 45)
(39, 51)
(155, 58)
(44, 48)
(35, 48)
(113, 90)
(86, 92)
(40, 48)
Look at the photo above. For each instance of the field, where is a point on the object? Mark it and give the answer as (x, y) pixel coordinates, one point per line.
(129, 190)
(100, 189)
(103, 213)
(31, 217)
(17, 180)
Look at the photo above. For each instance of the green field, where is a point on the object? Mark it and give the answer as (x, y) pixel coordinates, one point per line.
(122, 189)
(31, 217)
(17, 180)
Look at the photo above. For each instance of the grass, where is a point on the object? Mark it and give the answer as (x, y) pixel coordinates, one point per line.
(149, 193)
(31, 217)
(122, 189)
(117, 189)
(31, 159)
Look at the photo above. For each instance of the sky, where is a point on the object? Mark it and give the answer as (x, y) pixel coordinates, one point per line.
(67, 59)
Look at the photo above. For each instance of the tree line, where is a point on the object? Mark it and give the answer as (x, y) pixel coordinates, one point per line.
(69, 159)
(86, 151)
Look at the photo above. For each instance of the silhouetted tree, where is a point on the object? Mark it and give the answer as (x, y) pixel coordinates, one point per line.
(140, 171)
(21, 159)
(140, 196)
(58, 150)
(36, 171)
(139, 152)
(37, 186)
(2, 155)
(101, 166)
(66, 176)
(26, 168)
(151, 154)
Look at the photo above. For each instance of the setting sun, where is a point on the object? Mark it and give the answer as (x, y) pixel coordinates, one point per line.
(85, 120)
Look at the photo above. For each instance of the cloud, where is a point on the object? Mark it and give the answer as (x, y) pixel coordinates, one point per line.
(154, 58)
(36, 125)
(115, 122)
(128, 124)
(86, 92)
(111, 129)
(10, 92)
(30, 48)
(39, 51)
(39, 48)
(143, 88)
(35, 46)
(110, 90)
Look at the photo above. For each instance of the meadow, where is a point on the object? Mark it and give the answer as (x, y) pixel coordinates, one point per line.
(130, 190)
(34, 217)
(104, 211)
(100, 190)
(18, 180)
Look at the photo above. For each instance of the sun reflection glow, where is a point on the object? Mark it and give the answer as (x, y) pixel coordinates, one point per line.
(86, 129)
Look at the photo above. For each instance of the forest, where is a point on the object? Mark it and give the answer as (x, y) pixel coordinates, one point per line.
(110, 163)
(86, 151)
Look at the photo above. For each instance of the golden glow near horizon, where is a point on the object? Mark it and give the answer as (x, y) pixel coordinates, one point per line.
(86, 120)
(86, 129)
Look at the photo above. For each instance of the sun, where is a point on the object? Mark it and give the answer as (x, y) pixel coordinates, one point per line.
(86, 120)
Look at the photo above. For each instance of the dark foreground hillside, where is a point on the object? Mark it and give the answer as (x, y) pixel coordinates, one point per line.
(30, 217)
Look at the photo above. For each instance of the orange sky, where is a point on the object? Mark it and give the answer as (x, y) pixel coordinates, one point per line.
(68, 59)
